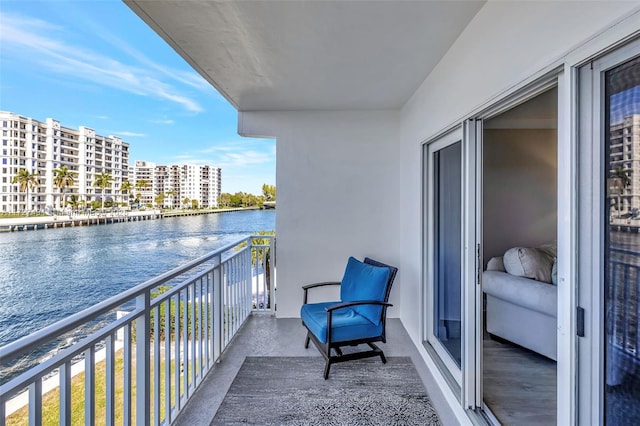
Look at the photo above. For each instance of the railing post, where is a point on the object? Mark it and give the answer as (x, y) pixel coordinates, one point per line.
(89, 387)
(272, 274)
(2, 412)
(35, 403)
(249, 274)
(217, 304)
(65, 393)
(143, 349)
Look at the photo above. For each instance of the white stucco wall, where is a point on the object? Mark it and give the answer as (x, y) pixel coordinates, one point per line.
(338, 178)
(506, 45)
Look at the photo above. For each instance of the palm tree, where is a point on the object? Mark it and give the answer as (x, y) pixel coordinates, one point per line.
(141, 185)
(74, 202)
(618, 182)
(102, 181)
(171, 193)
(126, 187)
(186, 201)
(160, 200)
(27, 181)
(64, 179)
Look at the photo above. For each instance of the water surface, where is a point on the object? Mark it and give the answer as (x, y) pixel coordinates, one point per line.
(46, 275)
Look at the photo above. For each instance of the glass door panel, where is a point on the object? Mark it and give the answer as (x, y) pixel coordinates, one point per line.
(444, 253)
(622, 244)
(447, 249)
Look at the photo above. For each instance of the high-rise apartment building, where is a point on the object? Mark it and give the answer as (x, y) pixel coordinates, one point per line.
(41, 147)
(624, 154)
(142, 178)
(200, 185)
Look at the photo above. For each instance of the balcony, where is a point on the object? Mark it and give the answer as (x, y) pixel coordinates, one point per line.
(165, 334)
(224, 315)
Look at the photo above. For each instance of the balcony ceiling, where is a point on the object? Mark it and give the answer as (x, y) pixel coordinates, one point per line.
(297, 55)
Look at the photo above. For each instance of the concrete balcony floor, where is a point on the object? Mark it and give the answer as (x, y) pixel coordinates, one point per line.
(264, 335)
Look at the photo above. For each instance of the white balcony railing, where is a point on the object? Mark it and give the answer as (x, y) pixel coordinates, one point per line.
(142, 365)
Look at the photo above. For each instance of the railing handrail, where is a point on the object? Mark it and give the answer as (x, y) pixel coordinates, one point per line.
(27, 343)
(45, 367)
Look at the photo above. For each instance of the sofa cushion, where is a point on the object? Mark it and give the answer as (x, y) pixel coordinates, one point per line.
(361, 282)
(530, 294)
(529, 263)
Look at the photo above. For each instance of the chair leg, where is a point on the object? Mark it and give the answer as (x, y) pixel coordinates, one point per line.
(306, 341)
(327, 366)
(377, 349)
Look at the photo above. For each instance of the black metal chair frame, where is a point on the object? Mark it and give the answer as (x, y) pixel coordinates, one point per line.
(325, 348)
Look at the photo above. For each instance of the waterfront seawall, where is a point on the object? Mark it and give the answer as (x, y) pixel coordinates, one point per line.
(64, 221)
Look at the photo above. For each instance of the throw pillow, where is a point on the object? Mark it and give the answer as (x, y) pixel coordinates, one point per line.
(551, 249)
(529, 263)
(554, 272)
(361, 282)
(496, 264)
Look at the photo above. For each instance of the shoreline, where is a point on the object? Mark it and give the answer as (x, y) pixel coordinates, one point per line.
(16, 224)
(63, 221)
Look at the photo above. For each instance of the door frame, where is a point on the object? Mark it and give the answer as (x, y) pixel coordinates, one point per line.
(449, 368)
(590, 290)
(469, 387)
(552, 79)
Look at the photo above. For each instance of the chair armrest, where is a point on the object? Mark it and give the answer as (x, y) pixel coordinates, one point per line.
(322, 284)
(306, 287)
(360, 302)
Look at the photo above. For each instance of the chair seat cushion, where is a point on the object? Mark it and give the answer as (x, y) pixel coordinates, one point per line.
(347, 324)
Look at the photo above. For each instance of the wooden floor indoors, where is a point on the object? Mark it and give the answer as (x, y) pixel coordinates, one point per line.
(519, 385)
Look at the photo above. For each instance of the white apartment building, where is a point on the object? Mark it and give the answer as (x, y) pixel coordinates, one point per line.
(202, 184)
(143, 171)
(41, 147)
(624, 152)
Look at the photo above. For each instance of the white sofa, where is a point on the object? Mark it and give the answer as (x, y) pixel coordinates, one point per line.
(521, 309)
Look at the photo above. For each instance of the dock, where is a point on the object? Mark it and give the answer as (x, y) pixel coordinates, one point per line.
(66, 221)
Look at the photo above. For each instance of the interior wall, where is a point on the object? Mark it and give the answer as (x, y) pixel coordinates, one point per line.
(519, 189)
(337, 175)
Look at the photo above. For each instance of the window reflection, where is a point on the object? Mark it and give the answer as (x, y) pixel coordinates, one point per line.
(622, 245)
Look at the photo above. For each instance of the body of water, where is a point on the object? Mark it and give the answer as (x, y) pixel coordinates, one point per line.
(46, 275)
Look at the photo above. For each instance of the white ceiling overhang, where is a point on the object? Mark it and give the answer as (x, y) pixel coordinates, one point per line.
(303, 55)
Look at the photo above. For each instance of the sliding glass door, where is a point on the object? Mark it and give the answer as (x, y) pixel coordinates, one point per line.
(444, 258)
(609, 290)
(622, 244)
(453, 296)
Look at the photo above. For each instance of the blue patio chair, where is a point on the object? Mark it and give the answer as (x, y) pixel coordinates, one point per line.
(358, 318)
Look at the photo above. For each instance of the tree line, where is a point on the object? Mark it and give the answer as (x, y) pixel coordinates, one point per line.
(65, 178)
(243, 199)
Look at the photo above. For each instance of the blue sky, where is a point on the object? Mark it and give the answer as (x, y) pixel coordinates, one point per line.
(96, 64)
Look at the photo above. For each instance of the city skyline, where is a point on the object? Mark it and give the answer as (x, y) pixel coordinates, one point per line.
(96, 64)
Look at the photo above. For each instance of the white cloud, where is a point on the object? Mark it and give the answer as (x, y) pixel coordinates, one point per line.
(239, 153)
(130, 134)
(42, 42)
(246, 158)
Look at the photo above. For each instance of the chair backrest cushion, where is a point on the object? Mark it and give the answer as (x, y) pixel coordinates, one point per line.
(362, 281)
